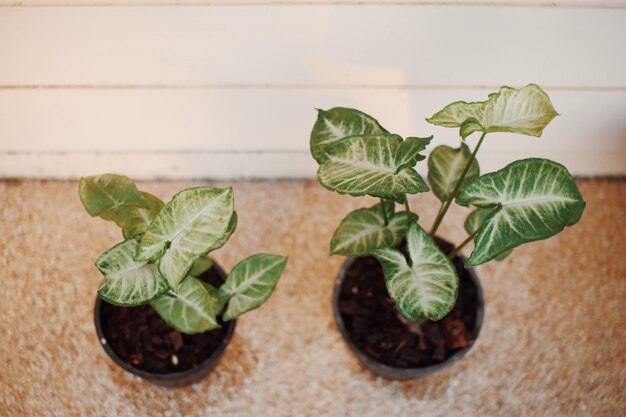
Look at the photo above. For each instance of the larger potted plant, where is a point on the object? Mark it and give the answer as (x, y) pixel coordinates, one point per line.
(406, 302)
(165, 311)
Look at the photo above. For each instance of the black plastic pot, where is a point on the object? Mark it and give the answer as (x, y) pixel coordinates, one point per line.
(175, 379)
(394, 373)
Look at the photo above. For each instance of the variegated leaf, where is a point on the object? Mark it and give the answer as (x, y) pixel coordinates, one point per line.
(195, 222)
(109, 196)
(364, 230)
(232, 225)
(128, 282)
(201, 265)
(399, 225)
(214, 293)
(337, 123)
(532, 199)
(139, 217)
(425, 288)
(474, 221)
(527, 111)
(408, 154)
(204, 263)
(361, 165)
(190, 311)
(445, 166)
(250, 283)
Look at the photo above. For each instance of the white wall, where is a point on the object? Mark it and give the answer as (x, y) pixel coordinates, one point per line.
(223, 89)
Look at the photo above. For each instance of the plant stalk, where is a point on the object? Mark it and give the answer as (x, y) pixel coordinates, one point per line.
(406, 205)
(448, 202)
(382, 208)
(456, 250)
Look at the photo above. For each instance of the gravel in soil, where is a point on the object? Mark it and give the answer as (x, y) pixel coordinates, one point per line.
(141, 338)
(374, 324)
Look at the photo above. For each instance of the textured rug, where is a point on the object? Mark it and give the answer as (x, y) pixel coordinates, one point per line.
(553, 342)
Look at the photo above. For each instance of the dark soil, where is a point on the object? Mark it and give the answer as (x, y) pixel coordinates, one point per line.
(373, 323)
(141, 338)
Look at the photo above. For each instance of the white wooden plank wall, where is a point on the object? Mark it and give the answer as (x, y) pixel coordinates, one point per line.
(229, 91)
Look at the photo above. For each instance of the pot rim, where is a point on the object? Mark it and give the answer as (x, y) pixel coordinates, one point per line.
(391, 372)
(173, 377)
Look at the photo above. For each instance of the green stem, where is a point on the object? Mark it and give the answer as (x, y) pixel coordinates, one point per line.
(456, 250)
(382, 208)
(406, 205)
(448, 202)
(440, 209)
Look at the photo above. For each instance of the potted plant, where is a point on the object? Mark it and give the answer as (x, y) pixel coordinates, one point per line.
(406, 302)
(165, 311)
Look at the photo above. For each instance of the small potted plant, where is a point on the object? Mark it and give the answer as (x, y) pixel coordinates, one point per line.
(165, 311)
(406, 302)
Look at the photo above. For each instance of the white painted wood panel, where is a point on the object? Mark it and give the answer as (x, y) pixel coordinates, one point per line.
(248, 165)
(261, 119)
(312, 45)
(264, 132)
(228, 91)
(479, 3)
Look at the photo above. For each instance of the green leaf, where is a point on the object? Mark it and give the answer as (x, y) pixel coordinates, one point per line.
(389, 207)
(399, 225)
(503, 255)
(445, 166)
(408, 154)
(361, 165)
(214, 293)
(201, 265)
(250, 283)
(532, 199)
(109, 196)
(139, 217)
(337, 123)
(196, 221)
(128, 282)
(232, 225)
(204, 263)
(474, 221)
(470, 126)
(527, 111)
(425, 288)
(364, 230)
(191, 310)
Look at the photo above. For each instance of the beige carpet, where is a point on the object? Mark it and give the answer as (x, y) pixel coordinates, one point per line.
(553, 342)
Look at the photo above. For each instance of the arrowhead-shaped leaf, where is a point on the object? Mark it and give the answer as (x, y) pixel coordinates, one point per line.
(425, 288)
(445, 166)
(128, 282)
(108, 196)
(116, 197)
(195, 222)
(250, 283)
(364, 230)
(337, 123)
(138, 218)
(361, 165)
(191, 310)
(408, 154)
(532, 199)
(527, 111)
